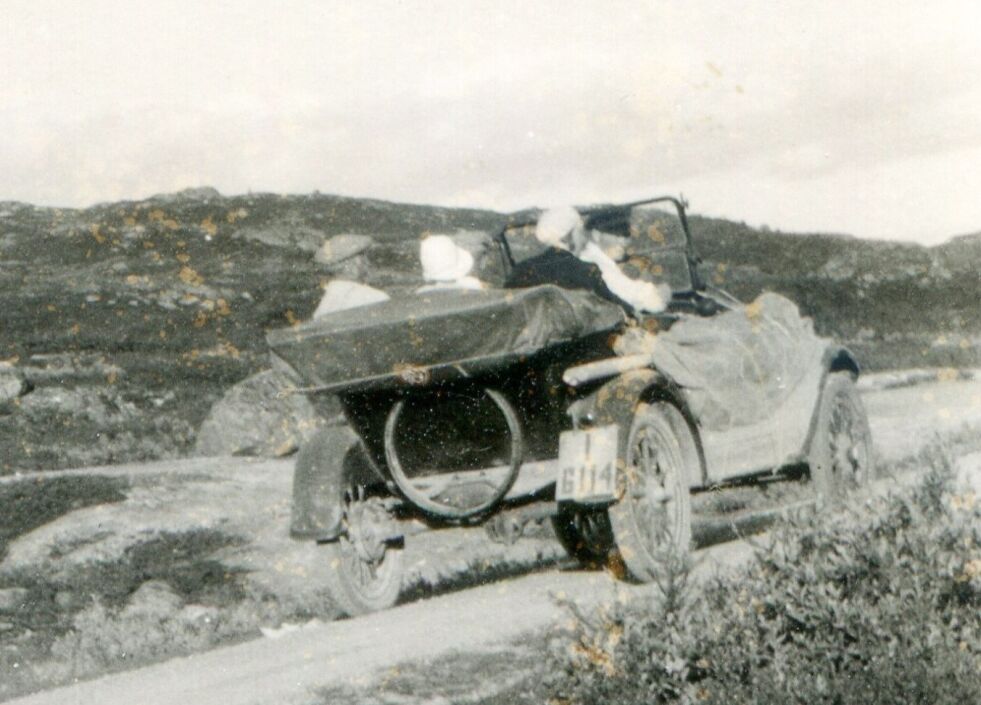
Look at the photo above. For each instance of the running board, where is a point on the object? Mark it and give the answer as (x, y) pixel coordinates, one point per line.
(717, 528)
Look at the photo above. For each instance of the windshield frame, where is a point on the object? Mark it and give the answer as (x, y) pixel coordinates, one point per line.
(523, 220)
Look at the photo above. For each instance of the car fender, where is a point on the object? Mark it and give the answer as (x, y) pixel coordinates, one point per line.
(331, 461)
(617, 398)
(839, 358)
(836, 359)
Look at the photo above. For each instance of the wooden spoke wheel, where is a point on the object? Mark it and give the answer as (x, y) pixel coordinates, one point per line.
(841, 457)
(651, 521)
(365, 564)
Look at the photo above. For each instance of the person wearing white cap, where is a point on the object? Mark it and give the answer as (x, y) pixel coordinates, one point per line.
(562, 228)
(575, 261)
(445, 265)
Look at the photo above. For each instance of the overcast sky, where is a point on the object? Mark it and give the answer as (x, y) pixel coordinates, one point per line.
(860, 116)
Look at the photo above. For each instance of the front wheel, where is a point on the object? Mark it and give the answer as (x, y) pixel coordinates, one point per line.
(841, 451)
(365, 562)
(652, 519)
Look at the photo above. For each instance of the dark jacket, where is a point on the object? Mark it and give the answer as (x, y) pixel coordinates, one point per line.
(563, 269)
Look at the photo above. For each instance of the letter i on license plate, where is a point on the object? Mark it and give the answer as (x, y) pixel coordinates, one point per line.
(587, 465)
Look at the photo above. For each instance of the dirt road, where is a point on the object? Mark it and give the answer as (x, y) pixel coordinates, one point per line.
(904, 419)
(292, 666)
(350, 652)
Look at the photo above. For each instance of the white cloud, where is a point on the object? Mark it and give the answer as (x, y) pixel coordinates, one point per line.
(792, 113)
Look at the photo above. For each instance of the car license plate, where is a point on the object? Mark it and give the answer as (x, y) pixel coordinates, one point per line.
(587, 465)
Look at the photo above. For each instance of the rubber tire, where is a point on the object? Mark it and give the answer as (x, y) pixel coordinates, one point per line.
(591, 552)
(345, 588)
(840, 393)
(673, 437)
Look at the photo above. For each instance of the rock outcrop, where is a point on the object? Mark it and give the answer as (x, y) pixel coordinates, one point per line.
(259, 416)
(154, 598)
(12, 386)
(342, 247)
(195, 193)
(12, 599)
(345, 256)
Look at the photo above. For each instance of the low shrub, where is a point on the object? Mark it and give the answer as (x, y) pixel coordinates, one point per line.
(169, 595)
(29, 504)
(878, 606)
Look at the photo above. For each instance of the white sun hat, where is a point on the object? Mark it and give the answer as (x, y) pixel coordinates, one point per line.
(443, 260)
(555, 224)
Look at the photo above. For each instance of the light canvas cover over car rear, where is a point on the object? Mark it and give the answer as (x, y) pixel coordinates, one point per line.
(438, 328)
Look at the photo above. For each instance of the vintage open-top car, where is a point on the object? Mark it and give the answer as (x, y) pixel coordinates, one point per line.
(494, 407)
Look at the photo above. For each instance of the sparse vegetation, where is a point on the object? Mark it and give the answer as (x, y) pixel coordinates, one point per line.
(177, 292)
(153, 309)
(113, 599)
(33, 503)
(896, 305)
(165, 596)
(882, 606)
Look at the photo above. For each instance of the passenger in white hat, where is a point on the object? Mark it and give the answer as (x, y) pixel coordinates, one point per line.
(575, 261)
(445, 265)
(562, 228)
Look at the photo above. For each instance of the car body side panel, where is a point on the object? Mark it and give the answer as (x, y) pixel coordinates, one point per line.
(775, 441)
(784, 437)
(412, 338)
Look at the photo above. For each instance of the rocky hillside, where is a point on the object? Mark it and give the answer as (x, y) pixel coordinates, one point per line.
(896, 304)
(125, 322)
(121, 324)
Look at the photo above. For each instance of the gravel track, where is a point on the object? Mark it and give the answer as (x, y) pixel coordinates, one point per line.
(294, 665)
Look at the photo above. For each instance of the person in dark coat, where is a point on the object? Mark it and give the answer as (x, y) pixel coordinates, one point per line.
(573, 261)
(563, 269)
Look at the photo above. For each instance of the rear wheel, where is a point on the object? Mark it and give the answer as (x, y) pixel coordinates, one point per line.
(841, 451)
(652, 519)
(366, 562)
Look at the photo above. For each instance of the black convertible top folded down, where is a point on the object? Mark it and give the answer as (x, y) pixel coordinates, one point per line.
(382, 343)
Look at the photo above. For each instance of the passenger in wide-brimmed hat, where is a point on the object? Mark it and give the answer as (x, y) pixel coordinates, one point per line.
(446, 265)
(574, 260)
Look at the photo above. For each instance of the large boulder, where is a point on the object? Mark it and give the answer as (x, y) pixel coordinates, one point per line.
(259, 416)
(345, 255)
(12, 385)
(155, 599)
(12, 599)
(341, 247)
